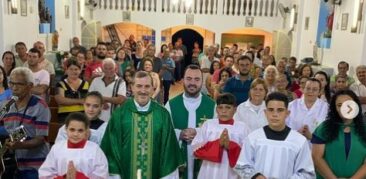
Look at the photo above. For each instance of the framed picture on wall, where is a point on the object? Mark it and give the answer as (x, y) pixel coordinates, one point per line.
(307, 19)
(344, 22)
(67, 11)
(249, 21)
(23, 7)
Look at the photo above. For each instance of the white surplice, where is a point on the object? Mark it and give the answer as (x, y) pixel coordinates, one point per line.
(300, 115)
(89, 160)
(211, 131)
(290, 158)
(95, 135)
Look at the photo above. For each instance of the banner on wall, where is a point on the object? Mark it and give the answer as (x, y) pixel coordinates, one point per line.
(325, 25)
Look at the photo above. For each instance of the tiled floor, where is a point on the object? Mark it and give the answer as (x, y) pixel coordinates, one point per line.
(176, 89)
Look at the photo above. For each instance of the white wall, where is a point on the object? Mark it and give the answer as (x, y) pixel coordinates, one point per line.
(345, 45)
(19, 28)
(14, 27)
(162, 21)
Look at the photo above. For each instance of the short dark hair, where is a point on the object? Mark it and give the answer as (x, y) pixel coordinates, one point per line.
(34, 50)
(293, 59)
(226, 98)
(343, 62)
(77, 116)
(228, 56)
(192, 67)
(277, 96)
(95, 94)
(102, 43)
(316, 80)
(244, 57)
(20, 44)
(72, 61)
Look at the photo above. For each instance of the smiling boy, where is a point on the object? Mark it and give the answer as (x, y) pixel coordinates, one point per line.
(75, 157)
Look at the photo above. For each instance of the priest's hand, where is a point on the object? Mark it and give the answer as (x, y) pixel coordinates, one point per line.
(191, 133)
(187, 134)
(71, 171)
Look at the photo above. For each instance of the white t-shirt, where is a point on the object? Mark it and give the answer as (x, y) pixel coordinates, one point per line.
(253, 116)
(300, 115)
(107, 91)
(41, 77)
(360, 90)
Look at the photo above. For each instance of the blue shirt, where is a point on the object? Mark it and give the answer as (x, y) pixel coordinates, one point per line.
(240, 89)
(168, 75)
(6, 95)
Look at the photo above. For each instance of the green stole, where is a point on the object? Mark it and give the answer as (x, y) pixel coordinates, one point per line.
(335, 154)
(141, 140)
(180, 121)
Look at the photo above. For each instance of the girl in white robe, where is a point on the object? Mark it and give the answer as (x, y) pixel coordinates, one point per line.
(75, 157)
(93, 106)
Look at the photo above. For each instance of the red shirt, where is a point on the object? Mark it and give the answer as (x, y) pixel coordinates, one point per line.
(90, 69)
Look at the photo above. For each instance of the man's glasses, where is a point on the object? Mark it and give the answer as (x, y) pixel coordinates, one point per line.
(12, 83)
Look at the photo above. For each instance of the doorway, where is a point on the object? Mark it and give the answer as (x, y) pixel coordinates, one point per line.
(188, 36)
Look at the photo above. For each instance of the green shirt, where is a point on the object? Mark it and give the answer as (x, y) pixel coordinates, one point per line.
(141, 140)
(335, 155)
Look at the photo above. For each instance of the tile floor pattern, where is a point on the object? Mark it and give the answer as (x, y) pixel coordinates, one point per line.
(176, 89)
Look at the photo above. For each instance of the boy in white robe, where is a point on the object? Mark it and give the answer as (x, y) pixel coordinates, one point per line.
(76, 157)
(218, 143)
(275, 151)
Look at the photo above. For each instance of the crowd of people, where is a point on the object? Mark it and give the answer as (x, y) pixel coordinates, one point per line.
(242, 113)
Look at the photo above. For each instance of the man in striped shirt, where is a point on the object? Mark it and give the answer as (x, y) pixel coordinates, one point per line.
(33, 113)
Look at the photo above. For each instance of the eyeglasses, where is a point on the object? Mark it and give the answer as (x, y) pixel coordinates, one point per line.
(11, 83)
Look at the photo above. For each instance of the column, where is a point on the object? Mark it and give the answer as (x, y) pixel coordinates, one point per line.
(157, 40)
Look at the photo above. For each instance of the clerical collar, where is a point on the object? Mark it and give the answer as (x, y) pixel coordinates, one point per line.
(192, 99)
(276, 135)
(142, 108)
(78, 145)
(228, 122)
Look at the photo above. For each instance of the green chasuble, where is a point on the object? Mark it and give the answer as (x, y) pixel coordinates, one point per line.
(335, 154)
(141, 140)
(180, 121)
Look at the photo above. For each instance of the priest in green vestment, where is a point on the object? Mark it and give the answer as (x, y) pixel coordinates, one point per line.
(189, 110)
(140, 140)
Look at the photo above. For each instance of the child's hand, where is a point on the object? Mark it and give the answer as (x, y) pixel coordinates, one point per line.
(224, 139)
(71, 171)
(307, 133)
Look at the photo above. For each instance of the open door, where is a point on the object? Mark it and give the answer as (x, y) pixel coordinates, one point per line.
(90, 34)
(281, 44)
